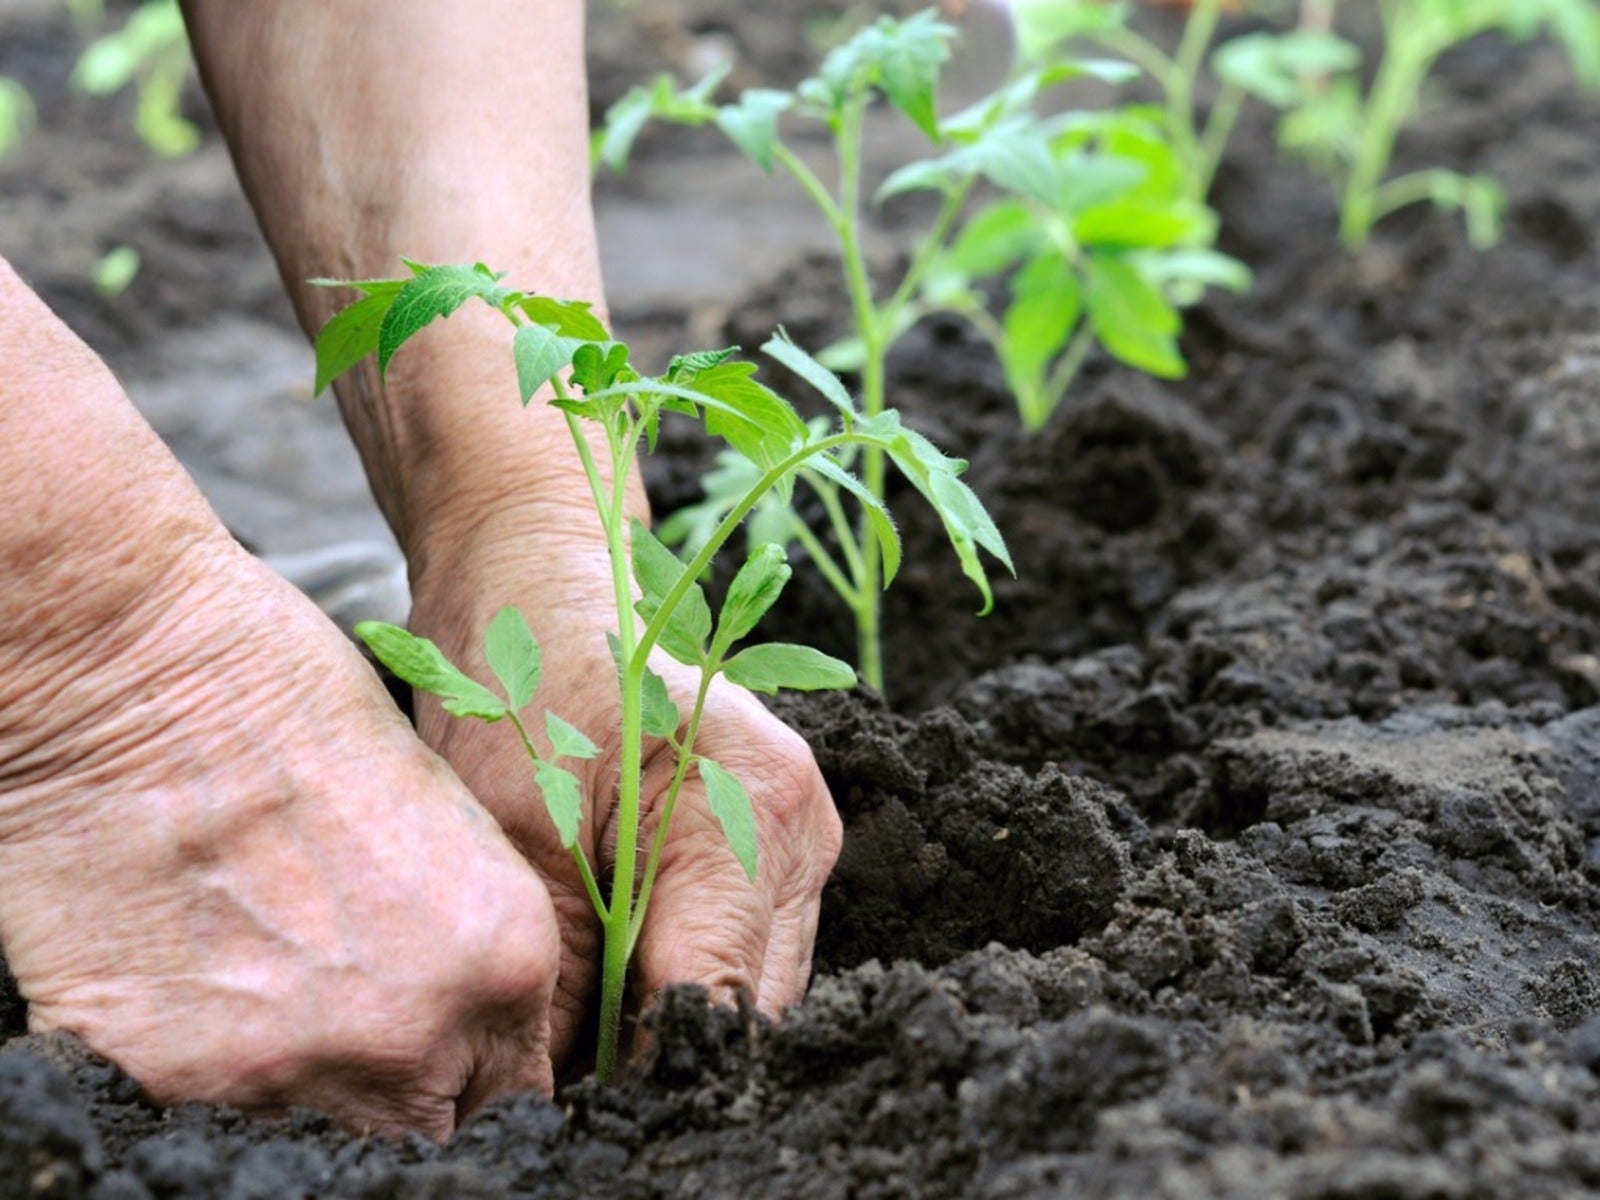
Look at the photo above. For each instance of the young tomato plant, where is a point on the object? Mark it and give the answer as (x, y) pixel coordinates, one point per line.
(659, 602)
(1267, 65)
(1061, 260)
(1350, 134)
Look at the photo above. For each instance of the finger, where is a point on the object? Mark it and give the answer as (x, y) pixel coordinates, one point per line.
(707, 923)
(786, 970)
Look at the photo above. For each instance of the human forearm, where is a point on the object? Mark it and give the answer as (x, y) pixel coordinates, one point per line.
(365, 131)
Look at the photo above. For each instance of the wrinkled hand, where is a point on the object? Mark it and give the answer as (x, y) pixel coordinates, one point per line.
(707, 922)
(230, 866)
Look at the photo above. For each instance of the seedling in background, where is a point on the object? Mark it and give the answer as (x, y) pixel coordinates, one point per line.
(1096, 261)
(1350, 134)
(1270, 66)
(151, 52)
(561, 345)
(17, 114)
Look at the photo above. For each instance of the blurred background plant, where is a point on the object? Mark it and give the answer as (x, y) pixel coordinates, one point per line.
(17, 114)
(150, 53)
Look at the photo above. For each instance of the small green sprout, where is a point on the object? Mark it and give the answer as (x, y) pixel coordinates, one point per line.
(17, 114)
(116, 271)
(150, 51)
(1349, 133)
(1090, 233)
(560, 346)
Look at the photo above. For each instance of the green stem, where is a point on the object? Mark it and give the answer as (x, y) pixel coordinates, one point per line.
(928, 249)
(807, 179)
(618, 915)
(1416, 188)
(1063, 373)
(1394, 94)
(1142, 52)
(1220, 123)
(869, 651)
(824, 562)
(730, 522)
(1197, 35)
(589, 883)
(685, 758)
(849, 546)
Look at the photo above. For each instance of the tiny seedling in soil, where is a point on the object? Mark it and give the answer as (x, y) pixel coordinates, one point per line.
(151, 52)
(1349, 133)
(17, 114)
(1091, 232)
(560, 345)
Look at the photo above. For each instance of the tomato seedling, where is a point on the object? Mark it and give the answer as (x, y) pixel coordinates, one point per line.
(1349, 133)
(562, 346)
(1094, 243)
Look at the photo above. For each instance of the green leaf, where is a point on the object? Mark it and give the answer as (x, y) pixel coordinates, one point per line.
(752, 123)
(767, 668)
(1275, 67)
(1191, 267)
(1132, 319)
(541, 353)
(513, 656)
(657, 571)
(730, 804)
(754, 590)
(1042, 25)
(597, 367)
(1090, 180)
(623, 123)
(569, 318)
(661, 717)
(1132, 223)
(568, 741)
(1046, 305)
(1016, 156)
(629, 115)
(423, 665)
(563, 800)
(435, 292)
(901, 57)
(785, 351)
(684, 367)
(752, 418)
(967, 524)
(724, 486)
(349, 336)
(910, 62)
(879, 523)
(994, 239)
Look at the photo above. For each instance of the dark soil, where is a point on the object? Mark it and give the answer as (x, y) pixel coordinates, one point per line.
(1250, 848)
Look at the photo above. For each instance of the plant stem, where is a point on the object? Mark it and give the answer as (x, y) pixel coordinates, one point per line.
(869, 649)
(1394, 94)
(1220, 122)
(1197, 34)
(589, 883)
(1064, 372)
(685, 757)
(824, 562)
(619, 913)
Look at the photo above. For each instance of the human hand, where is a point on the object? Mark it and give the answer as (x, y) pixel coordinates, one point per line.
(707, 922)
